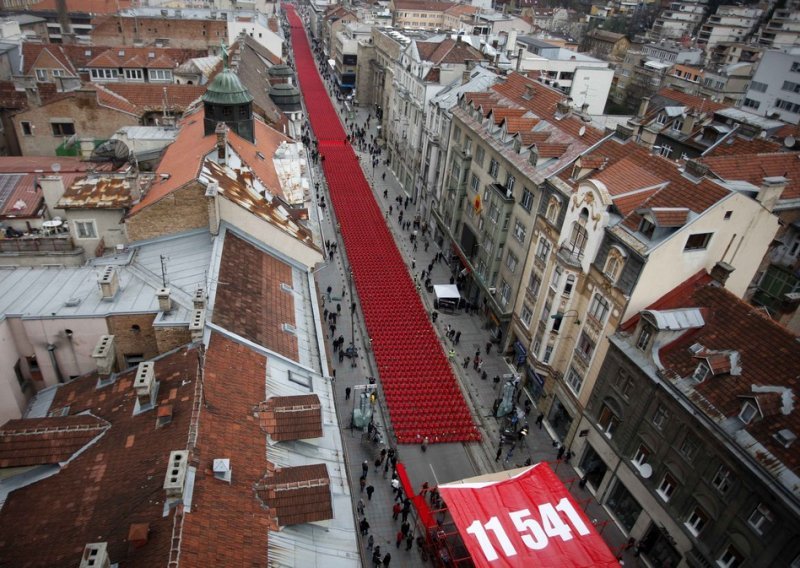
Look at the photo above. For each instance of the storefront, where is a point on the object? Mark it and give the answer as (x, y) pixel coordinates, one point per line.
(658, 547)
(624, 506)
(559, 418)
(534, 382)
(593, 467)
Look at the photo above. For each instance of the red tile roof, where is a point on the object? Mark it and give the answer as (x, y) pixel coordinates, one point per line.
(34, 52)
(292, 417)
(41, 441)
(250, 301)
(669, 216)
(115, 482)
(518, 124)
(422, 5)
(82, 55)
(626, 176)
(499, 114)
(298, 495)
(753, 168)
(736, 145)
(228, 525)
(11, 98)
(26, 199)
(551, 150)
(43, 164)
(152, 96)
(97, 193)
(84, 6)
(769, 358)
(692, 101)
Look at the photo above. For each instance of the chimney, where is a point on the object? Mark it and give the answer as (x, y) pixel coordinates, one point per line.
(563, 107)
(199, 299)
(137, 534)
(519, 59)
(87, 147)
(213, 207)
(109, 283)
(145, 383)
(721, 272)
(176, 473)
(95, 555)
(689, 123)
(643, 108)
(222, 142)
(770, 191)
(696, 169)
(164, 301)
(104, 355)
(197, 324)
(52, 191)
(466, 73)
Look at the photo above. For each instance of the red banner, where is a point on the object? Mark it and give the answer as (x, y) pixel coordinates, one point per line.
(527, 520)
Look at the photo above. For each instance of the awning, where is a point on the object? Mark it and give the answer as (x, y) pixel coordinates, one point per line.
(529, 519)
(461, 256)
(520, 351)
(534, 376)
(446, 292)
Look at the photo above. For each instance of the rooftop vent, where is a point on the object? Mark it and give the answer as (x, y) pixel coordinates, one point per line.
(137, 534)
(144, 383)
(164, 301)
(197, 323)
(164, 415)
(199, 299)
(109, 283)
(104, 354)
(222, 469)
(785, 437)
(95, 555)
(176, 473)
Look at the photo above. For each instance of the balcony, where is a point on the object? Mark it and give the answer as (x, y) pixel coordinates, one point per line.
(501, 190)
(570, 255)
(36, 244)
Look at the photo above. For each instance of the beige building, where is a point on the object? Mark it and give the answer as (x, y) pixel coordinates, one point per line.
(416, 15)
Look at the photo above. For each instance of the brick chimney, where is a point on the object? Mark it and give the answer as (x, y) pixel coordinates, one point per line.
(721, 271)
(222, 142)
(770, 191)
(52, 191)
(643, 108)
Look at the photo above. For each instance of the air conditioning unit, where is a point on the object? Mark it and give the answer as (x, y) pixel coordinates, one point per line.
(176, 473)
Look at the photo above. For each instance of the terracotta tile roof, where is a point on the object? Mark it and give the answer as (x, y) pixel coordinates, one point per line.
(36, 52)
(433, 75)
(451, 51)
(669, 216)
(551, 150)
(528, 138)
(519, 124)
(250, 301)
(499, 113)
(43, 164)
(592, 161)
(298, 495)
(626, 176)
(462, 10)
(736, 145)
(628, 203)
(110, 99)
(82, 55)
(150, 96)
(691, 101)
(228, 525)
(85, 6)
(422, 5)
(97, 193)
(292, 417)
(11, 98)
(769, 358)
(483, 100)
(115, 482)
(47, 440)
(753, 168)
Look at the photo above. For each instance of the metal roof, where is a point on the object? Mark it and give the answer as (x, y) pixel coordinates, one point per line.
(227, 89)
(673, 320)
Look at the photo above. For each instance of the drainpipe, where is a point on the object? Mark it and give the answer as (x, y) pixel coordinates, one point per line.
(51, 351)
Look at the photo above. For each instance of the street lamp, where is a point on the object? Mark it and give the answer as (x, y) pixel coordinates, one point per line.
(558, 316)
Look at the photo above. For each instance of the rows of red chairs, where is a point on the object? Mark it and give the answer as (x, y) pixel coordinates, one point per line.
(422, 393)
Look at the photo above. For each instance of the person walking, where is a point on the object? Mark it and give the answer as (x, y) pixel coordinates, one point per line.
(409, 542)
(363, 483)
(360, 507)
(488, 347)
(457, 337)
(395, 486)
(413, 263)
(424, 445)
(466, 362)
(406, 528)
(365, 467)
(387, 559)
(370, 491)
(499, 453)
(376, 557)
(399, 538)
(560, 453)
(406, 509)
(347, 392)
(539, 420)
(396, 509)
(364, 526)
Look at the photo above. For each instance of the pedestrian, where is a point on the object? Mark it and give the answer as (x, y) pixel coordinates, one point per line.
(406, 528)
(457, 337)
(488, 347)
(376, 557)
(399, 538)
(347, 392)
(363, 483)
(388, 558)
(338, 308)
(528, 405)
(413, 263)
(475, 362)
(378, 462)
(370, 491)
(499, 453)
(425, 445)
(341, 355)
(409, 542)
(510, 454)
(364, 526)
(360, 507)
(396, 509)
(466, 362)
(561, 451)
(480, 366)
(424, 490)
(539, 420)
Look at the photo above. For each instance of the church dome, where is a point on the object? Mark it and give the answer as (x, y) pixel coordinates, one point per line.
(227, 89)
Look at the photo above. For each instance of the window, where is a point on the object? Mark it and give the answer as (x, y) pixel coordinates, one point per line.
(660, 417)
(585, 347)
(133, 359)
(627, 388)
(519, 232)
(575, 381)
(760, 519)
(527, 200)
(493, 168)
(689, 447)
(474, 183)
(85, 230)
(62, 128)
(556, 276)
(731, 558)
(103, 74)
(568, 285)
(644, 338)
(505, 293)
(525, 315)
(608, 421)
(760, 87)
(41, 75)
(748, 412)
(723, 480)
(791, 87)
(598, 308)
(511, 262)
(795, 67)
(27, 128)
(664, 150)
(543, 249)
(614, 263)
(510, 181)
(479, 154)
(642, 456)
(751, 103)
(134, 75)
(661, 118)
(698, 241)
(787, 106)
(701, 372)
(57, 72)
(160, 74)
(534, 284)
(548, 352)
(647, 228)
(698, 519)
(728, 215)
(553, 207)
(667, 487)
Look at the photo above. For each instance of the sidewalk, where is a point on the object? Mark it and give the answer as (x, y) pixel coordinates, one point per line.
(444, 462)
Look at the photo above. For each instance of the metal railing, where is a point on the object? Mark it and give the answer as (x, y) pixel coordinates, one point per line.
(37, 244)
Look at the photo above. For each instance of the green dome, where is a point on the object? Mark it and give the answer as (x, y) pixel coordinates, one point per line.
(227, 89)
(280, 71)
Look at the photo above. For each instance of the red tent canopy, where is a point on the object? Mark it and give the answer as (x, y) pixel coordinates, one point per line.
(527, 520)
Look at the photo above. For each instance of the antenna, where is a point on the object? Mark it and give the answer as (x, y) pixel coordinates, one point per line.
(164, 270)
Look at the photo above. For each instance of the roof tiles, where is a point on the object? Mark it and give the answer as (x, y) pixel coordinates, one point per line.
(292, 417)
(753, 168)
(300, 494)
(53, 440)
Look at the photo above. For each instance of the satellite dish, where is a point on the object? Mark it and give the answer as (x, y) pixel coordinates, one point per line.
(56, 167)
(789, 141)
(582, 131)
(646, 470)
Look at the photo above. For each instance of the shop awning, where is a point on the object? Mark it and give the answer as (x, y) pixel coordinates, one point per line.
(446, 292)
(528, 519)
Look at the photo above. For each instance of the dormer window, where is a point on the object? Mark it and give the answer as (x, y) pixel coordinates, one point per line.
(748, 412)
(701, 372)
(661, 118)
(647, 228)
(517, 146)
(645, 335)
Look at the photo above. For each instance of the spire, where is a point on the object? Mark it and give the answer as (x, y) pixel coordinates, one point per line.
(224, 50)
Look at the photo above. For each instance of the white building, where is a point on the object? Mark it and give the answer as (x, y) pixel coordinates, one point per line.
(775, 89)
(730, 23)
(679, 19)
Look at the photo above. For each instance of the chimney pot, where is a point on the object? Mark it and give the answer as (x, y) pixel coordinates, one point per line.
(721, 271)
(137, 534)
(104, 355)
(770, 192)
(164, 301)
(109, 283)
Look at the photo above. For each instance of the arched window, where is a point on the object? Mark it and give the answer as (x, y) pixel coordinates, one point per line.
(553, 207)
(578, 238)
(614, 263)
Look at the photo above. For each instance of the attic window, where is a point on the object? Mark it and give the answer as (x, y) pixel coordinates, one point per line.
(748, 412)
(785, 437)
(517, 146)
(701, 372)
(647, 228)
(87, 53)
(121, 53)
